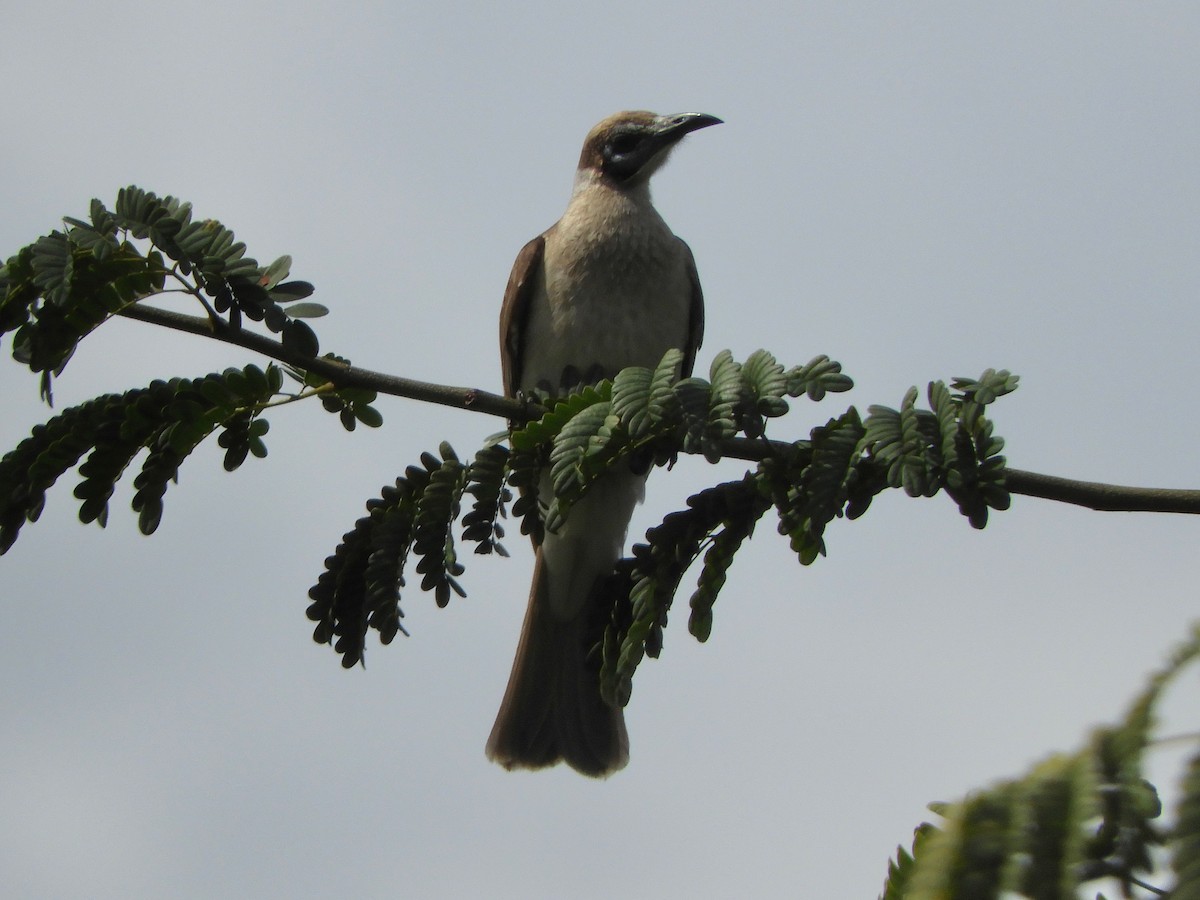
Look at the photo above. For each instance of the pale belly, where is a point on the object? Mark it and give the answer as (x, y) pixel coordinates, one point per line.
(607, 323)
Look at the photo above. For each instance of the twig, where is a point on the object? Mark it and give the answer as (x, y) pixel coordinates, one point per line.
(342, 374)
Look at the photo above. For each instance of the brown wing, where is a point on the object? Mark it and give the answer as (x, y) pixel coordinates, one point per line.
(515, 311)
(696, 315)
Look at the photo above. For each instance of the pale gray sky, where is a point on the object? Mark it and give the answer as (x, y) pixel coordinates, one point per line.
(918, 190)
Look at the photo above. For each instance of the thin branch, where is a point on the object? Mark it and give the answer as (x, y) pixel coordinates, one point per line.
(340, 373)
(1089, 494)
(1104, 497)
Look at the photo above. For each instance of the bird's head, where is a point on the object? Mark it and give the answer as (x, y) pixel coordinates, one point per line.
(628, 147)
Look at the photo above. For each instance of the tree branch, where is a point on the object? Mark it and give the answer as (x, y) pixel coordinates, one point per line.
(1089, 494)
(340, 373)
(1104, 497)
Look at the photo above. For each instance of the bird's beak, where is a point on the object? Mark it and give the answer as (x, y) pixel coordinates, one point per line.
(672, 128)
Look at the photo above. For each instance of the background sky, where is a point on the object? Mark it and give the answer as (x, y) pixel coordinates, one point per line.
(920, 191)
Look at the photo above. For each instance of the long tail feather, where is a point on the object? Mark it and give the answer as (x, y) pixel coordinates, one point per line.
(552, 710)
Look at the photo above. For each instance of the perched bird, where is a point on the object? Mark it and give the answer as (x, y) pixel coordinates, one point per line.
(606, 287)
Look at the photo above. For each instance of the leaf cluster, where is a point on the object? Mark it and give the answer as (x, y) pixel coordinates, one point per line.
(1070, 820)
(57, 290)
(809, 483)
(352, 405)
(360, 587)
(167, 419)
(950, 446)
(646, 417)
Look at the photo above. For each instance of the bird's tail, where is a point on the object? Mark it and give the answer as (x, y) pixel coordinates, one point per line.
(552, 709)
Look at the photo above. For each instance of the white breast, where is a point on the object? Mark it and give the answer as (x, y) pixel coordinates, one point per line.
(614, 290)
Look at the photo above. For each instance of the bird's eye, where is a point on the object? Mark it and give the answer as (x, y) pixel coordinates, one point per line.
(624, 143)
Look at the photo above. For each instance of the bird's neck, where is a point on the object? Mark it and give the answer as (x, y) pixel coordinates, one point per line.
(600, 211)
(592, 187)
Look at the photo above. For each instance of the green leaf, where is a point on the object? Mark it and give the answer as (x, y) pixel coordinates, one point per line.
(307, 311)
(900, 871)
(1185, 860)
(717, 561)
(542, 431)
(53, 266)
(276, 272)
(359, 588)
(486, 482)
(816, 483)
(651, 578)
(578, 442)
(693, 398)
(966, 858)
(631, 399)
(368, 415)
(818, 376)
(291, 291)
(299, 338)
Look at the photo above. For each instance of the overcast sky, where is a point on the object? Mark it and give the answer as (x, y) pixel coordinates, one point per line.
(918, 190)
